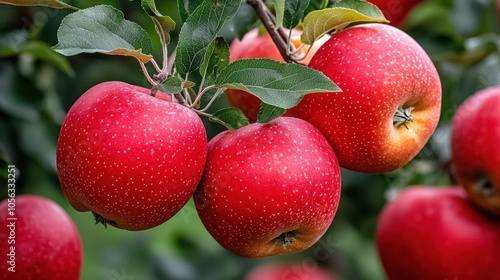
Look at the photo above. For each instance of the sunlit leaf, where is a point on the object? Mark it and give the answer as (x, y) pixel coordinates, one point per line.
(318, 23)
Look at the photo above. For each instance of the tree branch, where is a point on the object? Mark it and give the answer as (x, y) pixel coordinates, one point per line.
(269, 22)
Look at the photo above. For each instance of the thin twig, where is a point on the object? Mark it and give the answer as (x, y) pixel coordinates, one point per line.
(145, 71)
(216, 95)
(200, 95)
(155, 65)
(261, 10)
(170, 62)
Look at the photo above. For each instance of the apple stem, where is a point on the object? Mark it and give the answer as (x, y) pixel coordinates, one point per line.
(267, 18)
(402, 116)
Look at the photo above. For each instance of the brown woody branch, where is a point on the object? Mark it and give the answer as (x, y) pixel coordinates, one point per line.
(279, 36)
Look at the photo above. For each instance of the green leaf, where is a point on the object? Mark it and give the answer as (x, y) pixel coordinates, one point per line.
(279, 84)
(268, 113)
(43, 51)
(294, 12)
(279, 7)
(232, 118)
(216, 58)
(199, 30)
(318, 23)
(102, 29)
(163, 24)
(172, 85)
(45, 3)
(187, 7)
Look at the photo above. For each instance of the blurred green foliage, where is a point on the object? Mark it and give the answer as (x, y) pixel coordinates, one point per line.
(38, 86)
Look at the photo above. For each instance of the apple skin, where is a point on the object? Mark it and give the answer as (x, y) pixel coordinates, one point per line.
(396, 10)
(263, 181)
(288, 271)
(253, 45)
(133, 159)
(475, 139)
(498, 9)
(379, 68)
(47, 243)
(436, 233)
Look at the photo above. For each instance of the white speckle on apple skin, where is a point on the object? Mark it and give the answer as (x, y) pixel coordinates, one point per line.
(379, 68)
(129, 157)
(267, 179)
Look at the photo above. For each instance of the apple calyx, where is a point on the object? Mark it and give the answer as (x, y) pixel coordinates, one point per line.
(286, 238)
(402, 116)
(101, 220)
(485, 187)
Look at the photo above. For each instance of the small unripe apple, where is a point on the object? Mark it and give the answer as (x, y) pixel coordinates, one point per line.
(255, 45)
(475, 146)
(289, 271)
(38, 240)
(132, 159)
(396, 11)
(390, 101)
(436, 233)
(269, 189)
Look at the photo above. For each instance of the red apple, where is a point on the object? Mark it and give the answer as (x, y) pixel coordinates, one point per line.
(253, 45)
(434, 234)
(396, 11)
(269, 189)
(289, 271)
(475, 148)
(131, 159)
(498, 10)
(390, 103)
(38, 240)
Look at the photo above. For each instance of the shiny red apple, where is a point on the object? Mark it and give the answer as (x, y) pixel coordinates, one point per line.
(436, 233)
(38, 240)
(396, 11)
(269, 189)
(132, 159)
(391, 99)
(289, 271)
(475, 145)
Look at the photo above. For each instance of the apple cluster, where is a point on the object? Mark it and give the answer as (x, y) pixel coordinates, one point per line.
(451, 232)
(134, 160)
(390, 101)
